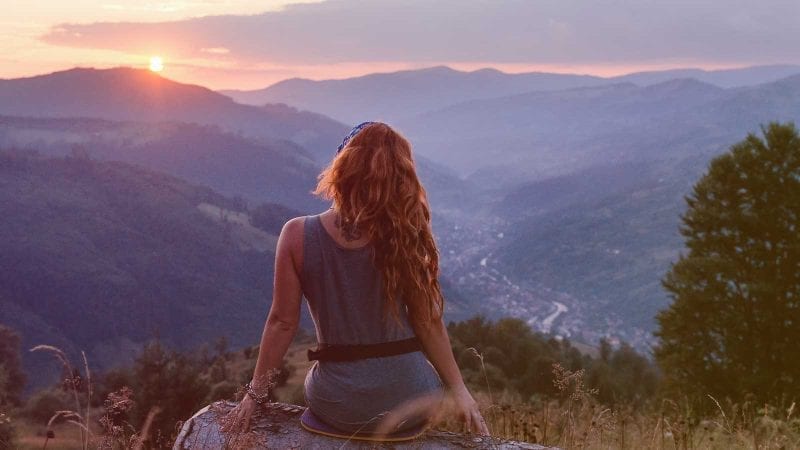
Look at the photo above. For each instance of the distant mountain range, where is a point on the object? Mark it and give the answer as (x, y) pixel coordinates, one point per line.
(592, 182)
(724, 78)
(138, 95)
(555, 198)
(102, 247)
(265, 153)
(544, 134)
(400, 95)
(258, 170)
(391, 96)
(584, 186)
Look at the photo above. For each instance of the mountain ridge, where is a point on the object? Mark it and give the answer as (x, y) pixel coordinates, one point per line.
(333, 96)
(129, 94)
(257, 170)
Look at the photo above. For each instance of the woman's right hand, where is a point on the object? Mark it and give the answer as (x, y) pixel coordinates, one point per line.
(468, 412)
(238, 419)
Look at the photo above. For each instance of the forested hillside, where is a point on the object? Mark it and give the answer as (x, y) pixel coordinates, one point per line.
(257, 170)
(100, 256)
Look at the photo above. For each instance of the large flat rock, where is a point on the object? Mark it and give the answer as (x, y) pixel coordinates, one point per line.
(279, 427)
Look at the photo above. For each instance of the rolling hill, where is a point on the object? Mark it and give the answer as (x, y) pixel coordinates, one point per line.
(257, 170)
(103, 255)
(260, 170)
(100, 256)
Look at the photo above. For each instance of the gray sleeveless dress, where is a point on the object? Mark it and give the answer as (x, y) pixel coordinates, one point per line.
(344, 294)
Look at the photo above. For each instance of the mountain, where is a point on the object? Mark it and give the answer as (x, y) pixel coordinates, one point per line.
(577, 190)
(605, 235)
(258, 170)
(262, 170)
(101, 256)
(551, 133)
(748, 106)
(126, 94)
(725, 78)
(396, 95)
(546, 134)
(268, 153)
(590, 182)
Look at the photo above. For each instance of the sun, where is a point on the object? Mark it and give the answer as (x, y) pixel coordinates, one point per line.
(156, 64)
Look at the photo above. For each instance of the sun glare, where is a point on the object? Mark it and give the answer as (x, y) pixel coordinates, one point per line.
(156, 64)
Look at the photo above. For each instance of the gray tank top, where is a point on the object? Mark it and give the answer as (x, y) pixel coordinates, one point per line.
(344, 293)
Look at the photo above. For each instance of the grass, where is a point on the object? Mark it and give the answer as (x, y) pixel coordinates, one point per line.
(575, 420)
(589, 426)
(33, 436)
(578, 421)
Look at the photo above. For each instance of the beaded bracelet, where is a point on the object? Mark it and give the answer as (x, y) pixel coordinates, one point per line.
(271, 383)
(261, 400)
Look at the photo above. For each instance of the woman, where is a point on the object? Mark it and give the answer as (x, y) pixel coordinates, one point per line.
(369, 269)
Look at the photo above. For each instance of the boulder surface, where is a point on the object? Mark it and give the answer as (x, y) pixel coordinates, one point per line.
(279, 427)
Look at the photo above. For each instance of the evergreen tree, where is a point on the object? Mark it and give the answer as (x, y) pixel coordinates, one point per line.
(169, 381)
(733, 328)
(12, 378)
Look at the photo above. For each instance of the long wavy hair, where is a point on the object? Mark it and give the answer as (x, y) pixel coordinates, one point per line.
(375, 190)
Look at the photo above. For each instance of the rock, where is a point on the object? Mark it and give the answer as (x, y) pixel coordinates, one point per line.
(279, 428)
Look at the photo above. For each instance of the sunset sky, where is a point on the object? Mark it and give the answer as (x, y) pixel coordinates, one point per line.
(253, 43)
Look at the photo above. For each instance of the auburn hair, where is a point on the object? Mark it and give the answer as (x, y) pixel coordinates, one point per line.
(375, 190)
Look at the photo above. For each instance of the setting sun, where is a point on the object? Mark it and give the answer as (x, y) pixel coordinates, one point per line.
(156, 64)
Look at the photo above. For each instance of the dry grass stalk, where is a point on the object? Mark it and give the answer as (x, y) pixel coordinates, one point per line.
(143, 435)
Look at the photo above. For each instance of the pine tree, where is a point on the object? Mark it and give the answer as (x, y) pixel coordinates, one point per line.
(733, 328)
(12, 377)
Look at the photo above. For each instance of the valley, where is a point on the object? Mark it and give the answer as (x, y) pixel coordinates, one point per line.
(559, 206)
(469, 262)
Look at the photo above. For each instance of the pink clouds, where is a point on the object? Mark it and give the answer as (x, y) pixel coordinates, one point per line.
(500, 31)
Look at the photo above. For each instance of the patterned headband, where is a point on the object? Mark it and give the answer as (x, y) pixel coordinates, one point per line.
(352, 134)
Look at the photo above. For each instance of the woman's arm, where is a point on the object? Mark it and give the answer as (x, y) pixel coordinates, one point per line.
(284, 315)
(282, 322)
(436, 345)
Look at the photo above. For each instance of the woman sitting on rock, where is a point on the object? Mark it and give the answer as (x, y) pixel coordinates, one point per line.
(368, 268)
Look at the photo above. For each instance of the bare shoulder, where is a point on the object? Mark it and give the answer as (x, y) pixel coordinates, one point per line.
(292, 232)
(291, 238)
(294, 226)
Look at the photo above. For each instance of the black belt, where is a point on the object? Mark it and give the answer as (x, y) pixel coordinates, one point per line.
(355, 352)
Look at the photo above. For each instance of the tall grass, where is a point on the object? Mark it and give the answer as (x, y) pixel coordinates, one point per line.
(577, 420)
(105, 431)
(573, 420)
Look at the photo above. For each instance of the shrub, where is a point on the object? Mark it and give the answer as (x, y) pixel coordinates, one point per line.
(44, 403)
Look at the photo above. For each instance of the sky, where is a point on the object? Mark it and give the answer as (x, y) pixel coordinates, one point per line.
(249, 44)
